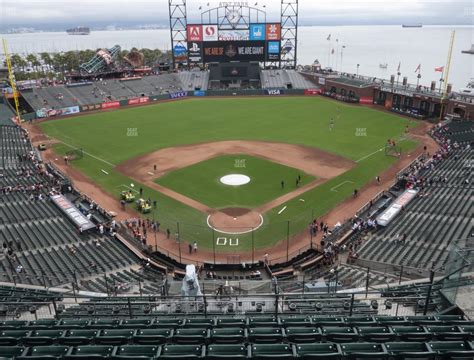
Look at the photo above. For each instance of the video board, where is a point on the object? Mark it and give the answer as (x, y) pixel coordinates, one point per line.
(208, 43)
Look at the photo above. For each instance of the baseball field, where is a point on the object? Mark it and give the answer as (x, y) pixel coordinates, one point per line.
(177, 152)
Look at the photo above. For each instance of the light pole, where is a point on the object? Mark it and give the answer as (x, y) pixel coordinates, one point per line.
(342, 55)
(358, 65)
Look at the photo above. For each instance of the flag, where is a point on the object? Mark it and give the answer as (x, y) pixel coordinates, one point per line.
(399, 65)
(439, 69)
(418, 68)
(329, 37)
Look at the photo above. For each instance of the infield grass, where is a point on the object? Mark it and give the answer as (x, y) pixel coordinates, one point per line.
(359, 134)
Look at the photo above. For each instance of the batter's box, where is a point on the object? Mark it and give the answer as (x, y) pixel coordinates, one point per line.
(223, 241)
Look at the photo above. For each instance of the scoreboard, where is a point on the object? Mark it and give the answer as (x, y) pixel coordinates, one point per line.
(209, 43)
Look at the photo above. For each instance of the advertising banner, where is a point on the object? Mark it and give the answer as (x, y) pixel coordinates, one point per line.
(90, 107)
(366, 100)
(178, 94)
(234, 35)
(45, 112)
(322, 81)
(110, 105)
(274, 92)
(194, 32)
(225, 51)
(310, 92)
(273, 32)
(209, 33)
(273, 50)
(195, 52)
(140, 100)
(199, 93)
(257, 32)
(180, 52)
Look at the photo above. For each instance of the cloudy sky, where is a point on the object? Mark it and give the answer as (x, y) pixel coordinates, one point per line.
(49, 14)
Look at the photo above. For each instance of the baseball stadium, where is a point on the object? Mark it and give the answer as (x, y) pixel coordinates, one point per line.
(232, 203)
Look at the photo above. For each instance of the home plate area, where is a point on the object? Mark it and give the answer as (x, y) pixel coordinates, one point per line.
(234, 221)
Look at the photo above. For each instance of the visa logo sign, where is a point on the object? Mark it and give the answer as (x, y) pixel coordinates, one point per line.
(274, 92)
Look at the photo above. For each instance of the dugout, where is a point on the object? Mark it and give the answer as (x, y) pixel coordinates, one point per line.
(234, 75)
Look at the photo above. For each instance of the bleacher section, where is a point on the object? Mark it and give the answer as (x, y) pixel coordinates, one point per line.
(5, 114)
(284, 79)
(194, 80)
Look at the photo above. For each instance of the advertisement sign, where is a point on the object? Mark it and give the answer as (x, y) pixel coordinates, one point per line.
(178, 94)
(209, 33)
(45, 112)
(111, 105)
(273, 50)
(223, 51)
(273, 32)
(199, 93)
(257, 32)
(194, 32)
(311, 92)
(366, 100)
(180, 52)
(274, 92)
(90, 107)
(195, 52)
(322, 81)
(140, 100)
(234, 35)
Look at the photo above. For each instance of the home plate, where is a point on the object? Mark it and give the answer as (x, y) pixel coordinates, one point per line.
(283, 209)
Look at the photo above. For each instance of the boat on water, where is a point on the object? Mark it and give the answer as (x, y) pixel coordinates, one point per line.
(412, 25)
(79, 30)
(470, 51)
(383, 65)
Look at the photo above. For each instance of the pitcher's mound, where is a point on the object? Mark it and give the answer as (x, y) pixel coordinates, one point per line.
(234, 221)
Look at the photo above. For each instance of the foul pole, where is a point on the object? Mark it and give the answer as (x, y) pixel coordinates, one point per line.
(11, 77)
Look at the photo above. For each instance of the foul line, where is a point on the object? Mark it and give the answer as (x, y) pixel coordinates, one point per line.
(400, 139)
(344, 182)
(85, 152)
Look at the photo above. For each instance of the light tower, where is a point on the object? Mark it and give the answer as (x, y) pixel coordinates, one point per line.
(289, 33)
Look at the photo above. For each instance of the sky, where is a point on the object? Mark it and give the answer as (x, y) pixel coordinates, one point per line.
(51, 14)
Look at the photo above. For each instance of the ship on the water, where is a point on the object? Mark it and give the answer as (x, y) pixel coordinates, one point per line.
(412, 25)
(470, 51)
(79, 30)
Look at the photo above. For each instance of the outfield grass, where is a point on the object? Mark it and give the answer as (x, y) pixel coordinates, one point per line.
(358, 134)
(201, 181)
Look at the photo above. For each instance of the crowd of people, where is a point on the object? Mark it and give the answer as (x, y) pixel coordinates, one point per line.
(140, 228)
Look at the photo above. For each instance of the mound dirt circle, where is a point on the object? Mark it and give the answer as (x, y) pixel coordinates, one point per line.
(234, 221)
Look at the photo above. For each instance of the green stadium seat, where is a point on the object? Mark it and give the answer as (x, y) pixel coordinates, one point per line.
(12, 337)
(267, 321)
(265, 335)
(444, 333)
(228, 335)
(296, 321)
(451, 319)
(174, 351)
(360, 321)
(340, 333)
(233, 323)
(43, 324)
(114, 336)
(327, 321)
(199, 323)
(77, 337)
(190, 336)
(364, 351)
(131, 352)
(90, 352)
(104, 323)
(423, 320)
(391, 320)
(135, 323)
(11, 352)
(232, 351)
(452, 349)
(72, 324)
(152, 336)
(168, 323)
(13, 324)
(468, 329)
(276, 351)
(409, 350)
(318, 351)
(43, 337)
(411, 333)
(303, 334)
(376, 333)
(44, 352)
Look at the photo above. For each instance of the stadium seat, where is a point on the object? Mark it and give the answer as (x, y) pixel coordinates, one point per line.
(135, 323)
(168, 323)
(199, 323)
(359, 320)
(114, 336)
(90, 352)
(72, 324)
(268, 321)
(318, 351)
(131, 352)
(44, 352)
(376, 333)
(409, 350)
(104, 323)
(444, 333)
(340, 334)
(265, 335)
(173, 351)
(152, 336)
(295, 321)
(411, 333)
(43, 337)
(220, 351)
(266, 351)
(12, 337)
(228, 335)
(190, 336)
(452, 349)
(11, 352)
(451, 319)
(78, 337)
(391, 320)
(468, 329)
(231, 323)
(327, 321)
(303, 334)
(12, 324)
(42, 324)
(364, 351)
(423, 320)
